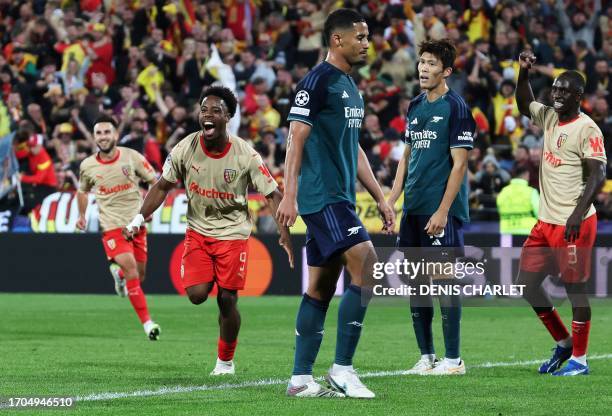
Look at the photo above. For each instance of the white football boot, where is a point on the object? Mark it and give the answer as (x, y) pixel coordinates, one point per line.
(223, 368)
(346, 381)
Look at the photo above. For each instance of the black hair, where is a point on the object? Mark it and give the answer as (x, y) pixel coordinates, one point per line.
(575, 79)
(104, 118)
(442, 49)
(340, 19)
(520, 171)
(225, 94)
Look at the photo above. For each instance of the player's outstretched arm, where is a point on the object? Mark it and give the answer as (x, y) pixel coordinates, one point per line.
(287, 209)
(368, 180)
(400, 178)
(82, 202)
(438, 220)
(596, 171)
(274, 200)
(524, 94)
(152, 201)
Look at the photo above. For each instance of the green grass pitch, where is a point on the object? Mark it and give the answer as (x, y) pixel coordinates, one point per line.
(85, 346)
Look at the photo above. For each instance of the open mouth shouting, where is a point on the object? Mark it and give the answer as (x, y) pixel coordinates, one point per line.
(209, 128)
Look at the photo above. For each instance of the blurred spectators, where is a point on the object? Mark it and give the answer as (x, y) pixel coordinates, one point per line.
(146, 62)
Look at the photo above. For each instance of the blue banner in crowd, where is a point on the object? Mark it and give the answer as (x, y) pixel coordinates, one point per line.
(8, 164)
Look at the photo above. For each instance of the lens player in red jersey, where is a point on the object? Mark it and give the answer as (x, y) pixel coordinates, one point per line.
(572, 170)
(114, 174)
(216, 169)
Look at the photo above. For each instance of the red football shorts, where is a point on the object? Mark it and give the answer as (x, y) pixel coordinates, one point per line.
(547, 251)
(207, 259)
(115, 244)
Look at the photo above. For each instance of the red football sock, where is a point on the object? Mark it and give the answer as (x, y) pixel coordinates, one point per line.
(552, 321)
(580, 334)
(226, 349)
(137, 298)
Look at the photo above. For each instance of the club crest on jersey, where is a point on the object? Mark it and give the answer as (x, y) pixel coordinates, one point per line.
(229, 175)
(111, 244)
(126, 170)
(561, 140)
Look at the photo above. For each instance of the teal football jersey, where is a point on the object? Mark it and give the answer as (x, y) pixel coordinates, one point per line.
(329, 101)
(432, 130)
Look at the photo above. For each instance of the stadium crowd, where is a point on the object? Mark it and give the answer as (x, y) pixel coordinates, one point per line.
(146, 61)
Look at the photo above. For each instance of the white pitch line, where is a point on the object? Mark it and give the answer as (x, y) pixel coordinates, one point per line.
(277, 381)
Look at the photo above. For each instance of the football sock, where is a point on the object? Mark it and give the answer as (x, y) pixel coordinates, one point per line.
(453, 361)
(226, 349)
(336, 368)
(450, 308)
(422, 316)
(308, 334)
(137, 299)
(552, 321)
(429, 357)
(351, 314)
(580, 336)
(301, 380)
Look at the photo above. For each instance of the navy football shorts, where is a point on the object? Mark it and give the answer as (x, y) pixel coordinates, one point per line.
(332, 231)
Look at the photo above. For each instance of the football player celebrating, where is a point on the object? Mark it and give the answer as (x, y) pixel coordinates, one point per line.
(114, 174)
(216, 169)
(572, 170)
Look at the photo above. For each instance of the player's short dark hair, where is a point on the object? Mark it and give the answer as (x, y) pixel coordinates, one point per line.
(442, 49)
(575, 79)
(225, 94)
(105, 118)
(340, 19)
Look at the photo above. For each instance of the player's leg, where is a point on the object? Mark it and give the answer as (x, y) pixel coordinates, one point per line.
(229, 325)
(421, 306)
(581, 325)
(345, 237)
(198, 294)
(140, 253)
(127, 262)
(448, 246)
(197, 273)
(535, 264)
(359, 262)
(142, 270)
(114, 244)
(230, 270)
(309, 326)
(575, 264)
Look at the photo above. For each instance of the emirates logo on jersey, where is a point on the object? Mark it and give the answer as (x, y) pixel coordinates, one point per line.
(561, 140)
(229, 175)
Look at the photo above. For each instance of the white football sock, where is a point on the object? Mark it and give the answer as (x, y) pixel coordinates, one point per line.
(453, 361)
(301, 379)
(337, 368)
(429, 357)
(582, 359)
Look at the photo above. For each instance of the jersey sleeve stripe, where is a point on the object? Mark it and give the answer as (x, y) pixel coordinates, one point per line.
(314, 76)
(463, 108)
(297, 118)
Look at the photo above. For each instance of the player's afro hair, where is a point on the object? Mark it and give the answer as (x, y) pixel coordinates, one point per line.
(105, 118)
(442, 49)
(575, 79)
(225, 94)
(340, 19)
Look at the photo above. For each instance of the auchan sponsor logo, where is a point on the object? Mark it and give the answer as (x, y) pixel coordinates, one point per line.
(103, 190)
(210, 193)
